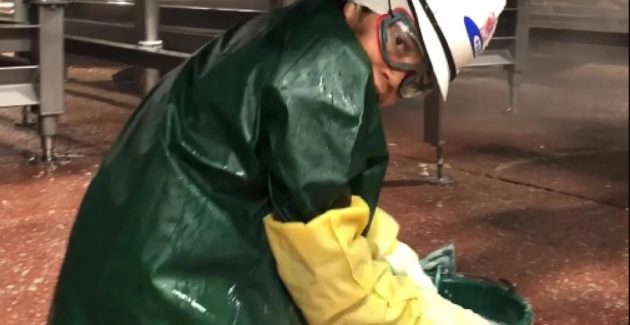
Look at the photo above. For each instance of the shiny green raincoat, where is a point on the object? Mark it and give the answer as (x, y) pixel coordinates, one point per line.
(279, 115)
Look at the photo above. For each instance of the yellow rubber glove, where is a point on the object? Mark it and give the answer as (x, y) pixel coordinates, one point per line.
(333, 274)
(401, 258)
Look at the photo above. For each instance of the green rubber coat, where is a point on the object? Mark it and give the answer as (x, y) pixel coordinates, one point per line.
(278, 116)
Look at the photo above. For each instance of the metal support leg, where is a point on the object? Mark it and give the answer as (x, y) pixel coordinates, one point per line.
(150, 78)
(148, 24)
(432, 135)
(47, 129)
(515, 72)
(51, 64)
(514, 81)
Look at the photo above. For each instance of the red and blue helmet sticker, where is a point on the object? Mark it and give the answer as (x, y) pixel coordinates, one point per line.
(488, 29)
(474, 36)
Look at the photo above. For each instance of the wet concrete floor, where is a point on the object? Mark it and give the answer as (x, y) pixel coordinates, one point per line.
(541, 197)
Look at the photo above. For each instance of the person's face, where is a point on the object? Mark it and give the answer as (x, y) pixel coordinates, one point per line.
(386, 79)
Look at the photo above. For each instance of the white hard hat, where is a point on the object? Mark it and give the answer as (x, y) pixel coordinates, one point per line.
(452, 32)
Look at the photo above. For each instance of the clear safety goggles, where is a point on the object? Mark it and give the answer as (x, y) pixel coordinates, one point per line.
(401, 50)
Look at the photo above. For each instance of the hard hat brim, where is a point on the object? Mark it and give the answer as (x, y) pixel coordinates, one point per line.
(433, 49)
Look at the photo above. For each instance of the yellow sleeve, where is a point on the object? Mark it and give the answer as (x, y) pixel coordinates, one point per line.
(331, 272)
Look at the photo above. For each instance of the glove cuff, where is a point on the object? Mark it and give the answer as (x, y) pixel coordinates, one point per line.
(403, 260)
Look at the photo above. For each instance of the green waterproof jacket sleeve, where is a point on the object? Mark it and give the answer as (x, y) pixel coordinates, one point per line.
(322, 138)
